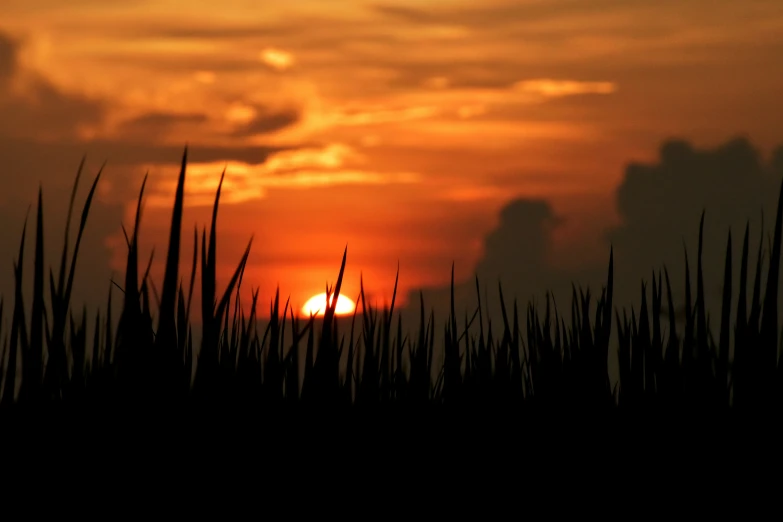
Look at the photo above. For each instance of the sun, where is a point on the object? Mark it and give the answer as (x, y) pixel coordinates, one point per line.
(316, 305)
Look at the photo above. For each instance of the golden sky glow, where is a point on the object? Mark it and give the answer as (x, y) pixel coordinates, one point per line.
(400, 128)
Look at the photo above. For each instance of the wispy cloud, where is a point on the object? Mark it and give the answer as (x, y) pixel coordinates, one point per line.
(332, 165)
(558, 88)
(277, 59)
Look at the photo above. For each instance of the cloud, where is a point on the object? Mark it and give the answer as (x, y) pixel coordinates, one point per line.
(8, 50)
(277, 59)
(390, 50)
(156, 123)
(558, 88)
(659, 206)
(539, 16)
(406, 14)
(304, 168)
(266, 121)
(521, 240)
(161, 119)
(199, 29)
(331, 156)
(378, 114)
(27, 99)
(516, 253)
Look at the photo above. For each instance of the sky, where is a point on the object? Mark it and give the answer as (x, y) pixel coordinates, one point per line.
(515, 139)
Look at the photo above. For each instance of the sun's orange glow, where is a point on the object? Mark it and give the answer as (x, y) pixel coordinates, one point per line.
(316, 305)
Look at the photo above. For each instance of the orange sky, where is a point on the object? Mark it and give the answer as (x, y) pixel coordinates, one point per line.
(398, 128)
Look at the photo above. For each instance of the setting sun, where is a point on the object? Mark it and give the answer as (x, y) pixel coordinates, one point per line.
(316, 305)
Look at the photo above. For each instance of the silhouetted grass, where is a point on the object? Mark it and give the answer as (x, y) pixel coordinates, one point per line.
(531, 362)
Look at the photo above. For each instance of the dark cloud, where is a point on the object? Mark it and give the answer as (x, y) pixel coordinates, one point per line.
(21, 115)
(659, 205)
(521, 240)
(196, 30)
(8, 49)
(728, 181)
(161, 121)
(185, 64)
(63, 113)
(517, 254)
(159, 125)
(268, 121)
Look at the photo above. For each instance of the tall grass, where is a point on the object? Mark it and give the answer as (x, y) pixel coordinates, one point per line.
(531, 361)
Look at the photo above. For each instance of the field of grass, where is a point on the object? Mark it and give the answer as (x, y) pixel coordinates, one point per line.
(146, 356)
